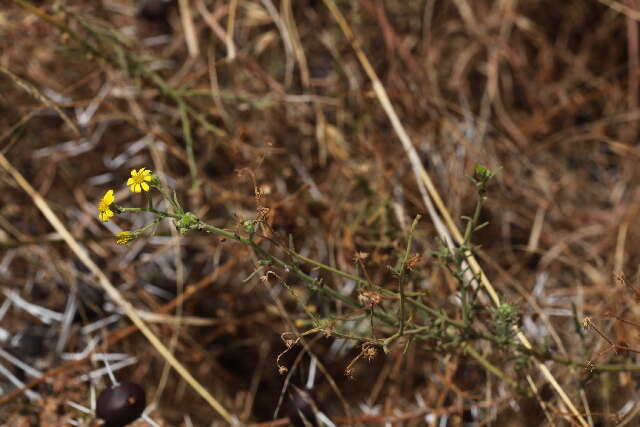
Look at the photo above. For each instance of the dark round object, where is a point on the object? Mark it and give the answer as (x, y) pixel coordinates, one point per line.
(121, 404)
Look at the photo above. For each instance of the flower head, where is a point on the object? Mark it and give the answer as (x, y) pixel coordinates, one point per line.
(104, 206)
(139, 180)
(125, 237)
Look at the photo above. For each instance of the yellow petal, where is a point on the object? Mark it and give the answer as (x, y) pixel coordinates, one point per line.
(145, 186)
(109, 198)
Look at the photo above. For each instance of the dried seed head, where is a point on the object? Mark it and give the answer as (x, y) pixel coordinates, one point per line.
(588, 366)
(369, 297)
(369, 352)
(360, 256)
(413, 261)
(328, 331)
(348, 372)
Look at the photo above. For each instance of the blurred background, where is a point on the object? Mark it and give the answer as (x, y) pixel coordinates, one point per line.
(262, 109)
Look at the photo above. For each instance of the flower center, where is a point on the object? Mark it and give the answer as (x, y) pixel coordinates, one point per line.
(138, 179)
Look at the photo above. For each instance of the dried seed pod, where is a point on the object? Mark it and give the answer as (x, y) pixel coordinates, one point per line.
(121, 404)
(302, 408)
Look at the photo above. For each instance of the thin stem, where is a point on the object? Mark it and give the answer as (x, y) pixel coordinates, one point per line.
(415, 332)
(154, 211)
(473, 222)
(212, 229)
(287, 267)
(328, 268)
(403, 268)
(186, 133)
(165, 196)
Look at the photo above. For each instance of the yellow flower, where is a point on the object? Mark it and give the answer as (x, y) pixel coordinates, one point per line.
(124, 238)
(139, 180)
(104, 206)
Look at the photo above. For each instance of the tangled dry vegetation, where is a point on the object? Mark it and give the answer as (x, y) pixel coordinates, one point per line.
(295, 134)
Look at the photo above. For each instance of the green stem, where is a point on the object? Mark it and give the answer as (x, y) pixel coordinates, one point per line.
(152, 210)
(148, 74)
(416, 332)
(165, 196)
(473, 222)
(287, 267)
(62, 27)
(186, 132)
(403, 268)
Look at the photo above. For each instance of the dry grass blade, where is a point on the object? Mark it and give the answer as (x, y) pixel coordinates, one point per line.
(33, 91)
(423, 178)
(122, 333)
(517, 128)
(104, 282)
(189, 28)
(623, 9)
(217, 29)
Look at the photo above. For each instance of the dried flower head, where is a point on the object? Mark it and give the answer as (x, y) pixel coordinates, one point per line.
(348, 372)
(104, 206)
(413, 261)
(369, 352)
(289, 339)
(327, 331)
(588, 366)
(369, 298)
(139, 180)
(360, 256)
